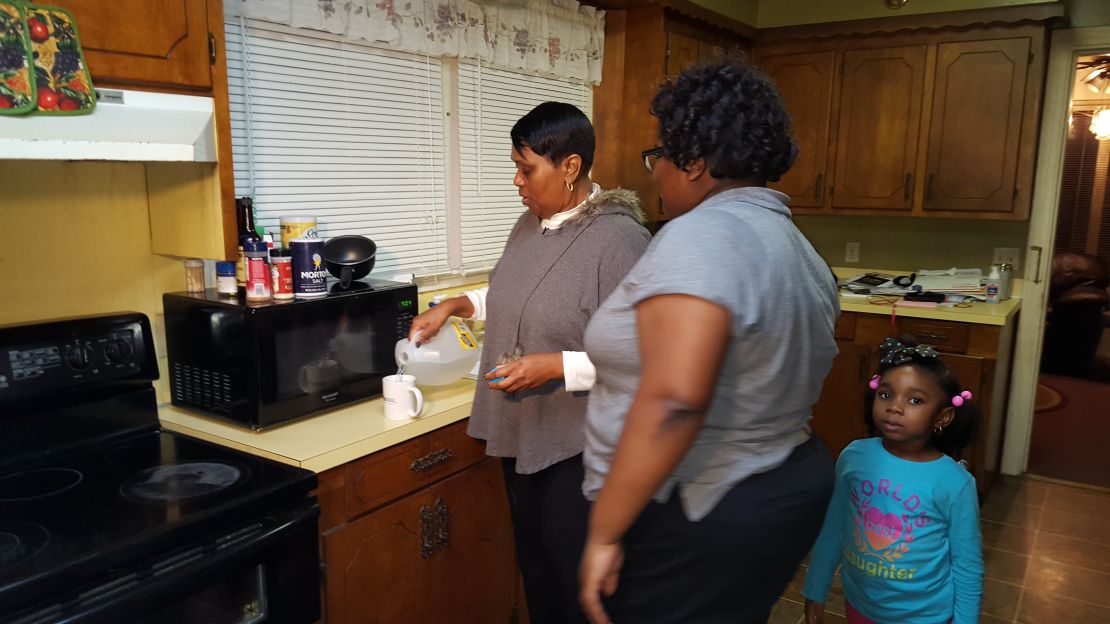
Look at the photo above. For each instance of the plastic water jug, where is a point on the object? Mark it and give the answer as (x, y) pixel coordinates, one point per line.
(443, 359)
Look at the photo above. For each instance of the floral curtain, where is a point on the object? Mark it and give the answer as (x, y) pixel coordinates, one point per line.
(554, 37)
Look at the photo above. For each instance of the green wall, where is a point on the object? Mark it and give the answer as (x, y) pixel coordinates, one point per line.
(746, 11)
(910, 244)
(774, 13)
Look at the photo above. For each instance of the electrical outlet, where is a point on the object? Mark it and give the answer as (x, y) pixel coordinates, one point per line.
(851, 252)
(1006, 255)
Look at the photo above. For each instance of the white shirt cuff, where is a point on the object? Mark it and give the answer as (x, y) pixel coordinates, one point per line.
(478, 300)
(579, 373)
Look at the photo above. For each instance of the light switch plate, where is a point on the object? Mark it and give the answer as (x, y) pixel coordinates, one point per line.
(1006, 255)
(851, 252)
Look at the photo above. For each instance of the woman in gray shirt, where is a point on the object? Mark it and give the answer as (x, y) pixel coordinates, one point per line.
(708, 488)
(567, 252)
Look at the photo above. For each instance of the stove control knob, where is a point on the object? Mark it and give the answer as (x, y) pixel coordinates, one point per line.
(118, 352)
(79, 357)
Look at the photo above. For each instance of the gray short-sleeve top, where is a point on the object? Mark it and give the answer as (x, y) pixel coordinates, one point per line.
(741, 250)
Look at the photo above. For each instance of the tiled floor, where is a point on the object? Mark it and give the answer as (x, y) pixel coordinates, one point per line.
(1046, 547)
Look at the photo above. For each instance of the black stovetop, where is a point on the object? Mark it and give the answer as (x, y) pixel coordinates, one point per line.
(76, 517)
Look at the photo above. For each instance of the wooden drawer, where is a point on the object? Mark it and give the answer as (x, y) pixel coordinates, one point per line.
(449, 450)
(384, 476)
(943, 335)
(845, 326)
(390, 474)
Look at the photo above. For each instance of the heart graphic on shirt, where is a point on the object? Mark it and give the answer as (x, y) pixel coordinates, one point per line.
(882, 529)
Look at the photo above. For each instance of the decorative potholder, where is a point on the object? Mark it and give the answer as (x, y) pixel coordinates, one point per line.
(17, 88)
(61, 74)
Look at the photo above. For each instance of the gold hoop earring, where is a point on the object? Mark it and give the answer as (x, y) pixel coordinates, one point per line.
(570, 186)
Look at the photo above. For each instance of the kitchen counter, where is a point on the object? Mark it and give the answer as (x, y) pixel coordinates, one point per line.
(979, 313)
(330, 439)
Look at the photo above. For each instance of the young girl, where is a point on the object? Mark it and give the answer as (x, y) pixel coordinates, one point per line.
(903, 524)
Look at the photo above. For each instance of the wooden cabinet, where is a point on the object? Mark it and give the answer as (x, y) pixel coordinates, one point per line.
(643, 45)
(145, 42)
(805, 81)
(979, 355)
(175, 46)
(838, 415)
(879, 117)
(928, 122)
(975, 134)
(419, 532)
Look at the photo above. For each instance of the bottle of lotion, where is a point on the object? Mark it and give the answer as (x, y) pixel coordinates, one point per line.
(993, 285)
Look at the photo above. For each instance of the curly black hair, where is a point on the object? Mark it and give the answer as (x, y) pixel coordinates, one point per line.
(556, 130)
(730, 114)
(959, 433)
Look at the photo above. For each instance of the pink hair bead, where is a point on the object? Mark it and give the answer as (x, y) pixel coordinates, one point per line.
(874, 383)
(959, 399)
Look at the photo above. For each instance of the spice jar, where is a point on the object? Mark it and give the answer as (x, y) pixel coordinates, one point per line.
(281, 268)
(226, 283)
(194, 275)
(257, 267)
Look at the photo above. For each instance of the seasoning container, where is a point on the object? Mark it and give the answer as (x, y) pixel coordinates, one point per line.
(281, 269)
(194, 275)
(297, 227)
(992, 284)
(257, 267)
(1005, 281)
(309, 275)
(226, 283)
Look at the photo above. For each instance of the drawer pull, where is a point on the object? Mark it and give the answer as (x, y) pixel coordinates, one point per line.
(928, 336)
(431, 460)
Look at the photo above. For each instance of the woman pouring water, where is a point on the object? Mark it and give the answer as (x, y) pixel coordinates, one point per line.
(564, 256)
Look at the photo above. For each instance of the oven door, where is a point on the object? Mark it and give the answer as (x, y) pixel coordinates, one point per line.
(267, 571)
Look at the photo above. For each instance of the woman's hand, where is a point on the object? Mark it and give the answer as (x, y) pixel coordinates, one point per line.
(531, 371)
(597, 576)
(428, 324)
(815, 612)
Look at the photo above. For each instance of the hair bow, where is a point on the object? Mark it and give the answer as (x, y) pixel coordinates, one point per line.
(896, 354)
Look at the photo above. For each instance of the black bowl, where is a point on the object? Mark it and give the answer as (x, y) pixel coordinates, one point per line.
(349, 257)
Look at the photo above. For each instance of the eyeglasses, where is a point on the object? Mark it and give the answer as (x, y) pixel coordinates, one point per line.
(650, 156)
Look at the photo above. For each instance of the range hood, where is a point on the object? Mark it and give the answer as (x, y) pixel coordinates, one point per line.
(125, 125)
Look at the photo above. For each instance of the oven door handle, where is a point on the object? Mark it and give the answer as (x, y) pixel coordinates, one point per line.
(132, 595)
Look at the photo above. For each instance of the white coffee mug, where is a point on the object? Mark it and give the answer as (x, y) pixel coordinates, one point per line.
(403, 400)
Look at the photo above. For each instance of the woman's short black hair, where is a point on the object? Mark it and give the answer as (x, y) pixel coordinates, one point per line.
(730, 114)
(556, 130)
(959, 433)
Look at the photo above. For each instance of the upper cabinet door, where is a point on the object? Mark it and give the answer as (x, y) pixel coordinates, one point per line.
(878, 124)
(681, 51)
(805, 82)
(144, 42)
(976, 125)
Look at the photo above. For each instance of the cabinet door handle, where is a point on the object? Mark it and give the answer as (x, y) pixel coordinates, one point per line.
(442, 524)
(908, 190)
(1037, 267)
(431, 460)
(929, 187)
(819, 185)
(863, 368)
(427, 532)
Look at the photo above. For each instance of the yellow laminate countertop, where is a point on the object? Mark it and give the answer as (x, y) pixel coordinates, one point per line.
(330, 439)
(980, 313)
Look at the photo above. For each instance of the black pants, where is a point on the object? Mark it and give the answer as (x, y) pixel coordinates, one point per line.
(549, 523)
(732, 565)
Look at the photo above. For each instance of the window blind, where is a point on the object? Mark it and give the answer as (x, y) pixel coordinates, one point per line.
(348, 133)
(490, 102)
(1083, 222)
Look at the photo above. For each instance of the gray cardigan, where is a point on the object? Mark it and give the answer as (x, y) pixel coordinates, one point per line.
(542, 294)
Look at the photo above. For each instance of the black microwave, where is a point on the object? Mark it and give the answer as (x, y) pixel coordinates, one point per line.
(263, 364)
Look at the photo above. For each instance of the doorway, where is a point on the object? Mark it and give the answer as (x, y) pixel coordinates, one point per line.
(1059, 417)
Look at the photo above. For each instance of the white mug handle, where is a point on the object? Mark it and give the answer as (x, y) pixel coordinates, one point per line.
(419, 398)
